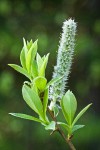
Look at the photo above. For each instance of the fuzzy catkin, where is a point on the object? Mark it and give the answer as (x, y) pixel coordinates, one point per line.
(64, 60)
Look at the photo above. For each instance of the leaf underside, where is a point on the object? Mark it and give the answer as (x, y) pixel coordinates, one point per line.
(25, 116)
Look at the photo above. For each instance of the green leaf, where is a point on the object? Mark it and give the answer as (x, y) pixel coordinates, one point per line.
(76, 127)
(81, 113)
(20, 69)
(64, 125)
(34, 88)
(25, 47)
(32, 99)
(34, 69)
(39, 61)
(51, 126)
(43, 66)
(40, 83)
(43, 57)
(31, 55)
(23, 59)
(45, 101)
(63, 110)
(53, 81)
(29, 44)
(24, 116)
(28, 99)
(69, 106)
(28, 60)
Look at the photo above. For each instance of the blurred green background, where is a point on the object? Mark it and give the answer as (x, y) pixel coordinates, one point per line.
(43, 19)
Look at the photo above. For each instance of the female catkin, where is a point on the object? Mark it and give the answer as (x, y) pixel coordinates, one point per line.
(64, 61)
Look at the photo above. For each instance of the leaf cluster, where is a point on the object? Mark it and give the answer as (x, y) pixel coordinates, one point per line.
(35, 92)
(69, 107)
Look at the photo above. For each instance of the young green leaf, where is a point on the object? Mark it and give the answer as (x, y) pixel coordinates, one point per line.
(63, 110)
(40, 82)
(43, 66)
(39, 61)
(34, 69)
(81, 113)
(43, 57)
(32, 99)
(29, 44)
(25, 116)
(25, 48)
(23, 59)
(51, 126)
(28, 99)
(28, 60)
(69, 106)
(20, 69)
(45, 101)
(76, 127)
(31, 55)
(34, 88)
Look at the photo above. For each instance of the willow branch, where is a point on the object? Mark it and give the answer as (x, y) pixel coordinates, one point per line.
(61, 132)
